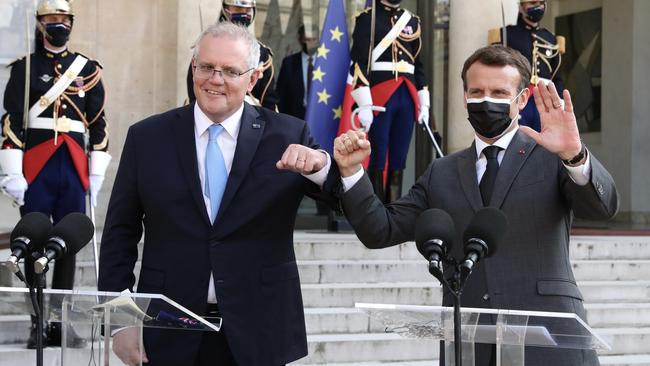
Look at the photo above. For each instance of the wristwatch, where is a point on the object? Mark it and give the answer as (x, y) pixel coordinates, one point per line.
(576, 159)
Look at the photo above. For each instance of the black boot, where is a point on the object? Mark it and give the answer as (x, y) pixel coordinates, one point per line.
(377, 180)
(74, 340)
(31, 341)
(393, 186)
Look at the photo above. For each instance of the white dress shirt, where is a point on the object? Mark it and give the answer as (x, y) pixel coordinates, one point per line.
(305, 65)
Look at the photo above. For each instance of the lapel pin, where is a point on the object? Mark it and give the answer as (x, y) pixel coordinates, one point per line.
(257, 126)
(522, 152)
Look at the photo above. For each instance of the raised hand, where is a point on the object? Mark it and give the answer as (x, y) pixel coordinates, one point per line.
(350, 150)
(559, 131)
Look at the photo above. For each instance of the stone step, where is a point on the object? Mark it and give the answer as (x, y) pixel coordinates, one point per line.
(17, 355)
(618, 315)
(332, 246)
(385, 270)
(332, 348)
(626, 341)
(417, 293)
(387, 347)
(619, 360)
(631, 360)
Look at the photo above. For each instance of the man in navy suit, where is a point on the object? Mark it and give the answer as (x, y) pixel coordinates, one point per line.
(295, 75)
(228, 253)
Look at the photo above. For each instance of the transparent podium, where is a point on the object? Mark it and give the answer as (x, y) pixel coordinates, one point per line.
(90, 314)
(509, 330)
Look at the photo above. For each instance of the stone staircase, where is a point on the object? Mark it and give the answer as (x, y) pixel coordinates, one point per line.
(337, 271)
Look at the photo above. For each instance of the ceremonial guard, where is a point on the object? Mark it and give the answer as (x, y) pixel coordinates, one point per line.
(387, 72)
(263, 94)
(54, 148)
(541, 47)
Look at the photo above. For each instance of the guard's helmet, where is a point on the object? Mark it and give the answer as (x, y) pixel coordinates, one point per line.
(47, 7)
(244, 19)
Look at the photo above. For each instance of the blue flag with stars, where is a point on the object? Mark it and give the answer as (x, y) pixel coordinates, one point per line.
(329, 77)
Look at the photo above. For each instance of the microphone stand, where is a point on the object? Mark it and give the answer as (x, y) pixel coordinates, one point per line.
(455, 286)
(39, 278)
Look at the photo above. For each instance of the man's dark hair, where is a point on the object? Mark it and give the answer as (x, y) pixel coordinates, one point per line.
(301, 31)
(499, 55)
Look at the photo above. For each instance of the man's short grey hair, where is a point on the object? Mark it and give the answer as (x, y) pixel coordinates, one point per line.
(235, 32)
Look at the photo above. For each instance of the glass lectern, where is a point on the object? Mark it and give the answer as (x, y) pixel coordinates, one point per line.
(93, 313)
(509, 330)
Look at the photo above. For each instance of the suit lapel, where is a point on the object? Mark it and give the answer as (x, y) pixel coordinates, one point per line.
(467, 173)
(183, 128)
(515, 156)
(250, 134)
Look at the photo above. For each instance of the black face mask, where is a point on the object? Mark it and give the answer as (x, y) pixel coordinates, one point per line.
(244, 19)
(57, 34)
(394, 2)
(488, 116)
(535, 14)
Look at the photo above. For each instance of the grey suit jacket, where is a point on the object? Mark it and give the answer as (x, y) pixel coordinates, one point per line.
(531, 270)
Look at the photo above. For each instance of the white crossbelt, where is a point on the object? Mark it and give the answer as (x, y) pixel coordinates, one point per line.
(58, 88)
(63, 124)
(391, 36)
(402, 67)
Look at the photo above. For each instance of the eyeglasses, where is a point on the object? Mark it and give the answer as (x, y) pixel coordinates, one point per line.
(206, 72)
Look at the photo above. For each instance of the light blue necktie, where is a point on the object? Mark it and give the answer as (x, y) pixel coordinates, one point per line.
(216, 174)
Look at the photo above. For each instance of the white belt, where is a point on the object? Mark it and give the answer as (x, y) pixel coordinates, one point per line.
(402, 66)
(63, 124)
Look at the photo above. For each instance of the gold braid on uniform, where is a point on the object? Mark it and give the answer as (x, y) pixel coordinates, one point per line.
(541, 43)
(406, 38)
(358, 75)
(265, 66)
(102, 145)
(7, 131)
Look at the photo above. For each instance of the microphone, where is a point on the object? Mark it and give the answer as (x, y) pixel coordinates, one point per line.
(482, 238)
(28, 236)
(434, 234)
(67, 238)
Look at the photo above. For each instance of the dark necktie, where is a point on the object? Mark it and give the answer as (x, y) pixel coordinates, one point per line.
(310, 73)
(490, 175)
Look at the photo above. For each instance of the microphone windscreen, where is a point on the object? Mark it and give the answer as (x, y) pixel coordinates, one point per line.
(35, 226)
(76, 230)
(433, 224)
(489, 224)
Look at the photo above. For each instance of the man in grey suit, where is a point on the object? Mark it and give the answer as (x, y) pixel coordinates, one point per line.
(539, 181)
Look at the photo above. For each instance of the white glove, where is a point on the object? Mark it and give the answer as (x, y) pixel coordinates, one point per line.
(15, 186)
(98, 164)
(14, 183)
(363, 98)
(423, 98)
(95, 185)
(366, 116)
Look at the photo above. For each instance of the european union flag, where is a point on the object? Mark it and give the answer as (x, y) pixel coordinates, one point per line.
(329, 77)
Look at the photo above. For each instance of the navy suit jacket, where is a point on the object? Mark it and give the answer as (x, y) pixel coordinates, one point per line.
(249, 248)
(290, 86)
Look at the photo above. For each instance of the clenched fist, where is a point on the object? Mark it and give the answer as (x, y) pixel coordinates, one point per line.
(350, 150)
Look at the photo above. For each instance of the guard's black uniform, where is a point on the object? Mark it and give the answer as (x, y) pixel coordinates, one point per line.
(523, 37)
(264, 89)
(57, 174)
(394, 80)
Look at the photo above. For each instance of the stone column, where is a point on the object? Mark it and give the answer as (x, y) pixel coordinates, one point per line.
(623, 145)
(468, 29)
